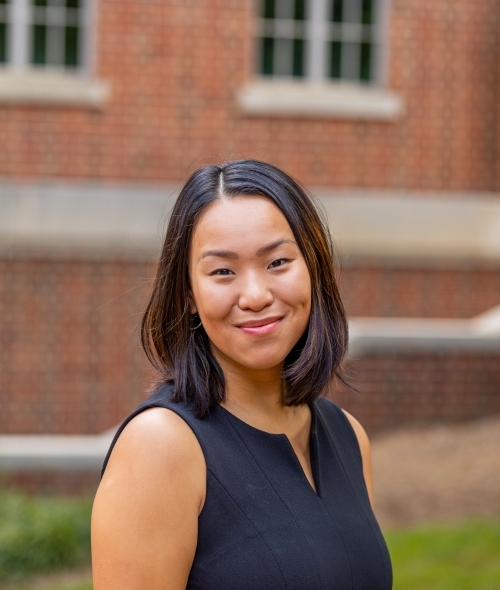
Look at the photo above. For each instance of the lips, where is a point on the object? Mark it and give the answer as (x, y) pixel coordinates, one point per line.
(261, 327)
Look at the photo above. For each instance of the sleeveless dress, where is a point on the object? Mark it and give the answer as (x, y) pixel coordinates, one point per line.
(263, 527)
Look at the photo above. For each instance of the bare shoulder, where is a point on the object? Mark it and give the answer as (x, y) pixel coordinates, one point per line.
(145, 515)
(157, 451)
(364, 447)
(157, 437)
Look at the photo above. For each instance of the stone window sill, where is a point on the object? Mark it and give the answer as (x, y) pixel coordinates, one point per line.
(319, 100)
(46, 87)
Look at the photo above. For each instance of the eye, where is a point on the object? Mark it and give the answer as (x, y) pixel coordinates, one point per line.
(221, 272)
(279, 262)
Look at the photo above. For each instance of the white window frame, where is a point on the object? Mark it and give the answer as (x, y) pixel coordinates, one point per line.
(315, 94)
(24, 82)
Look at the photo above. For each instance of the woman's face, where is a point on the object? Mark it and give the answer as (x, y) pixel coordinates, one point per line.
(250, 283)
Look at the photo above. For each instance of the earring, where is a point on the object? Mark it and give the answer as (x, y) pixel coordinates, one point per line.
(195, 317)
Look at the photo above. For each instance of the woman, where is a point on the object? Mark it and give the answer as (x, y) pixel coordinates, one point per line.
(236, 474)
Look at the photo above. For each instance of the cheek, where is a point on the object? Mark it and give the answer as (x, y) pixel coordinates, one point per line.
(213, 302)
(295, 290)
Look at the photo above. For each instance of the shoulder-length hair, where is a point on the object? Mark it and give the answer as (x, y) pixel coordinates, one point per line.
(181, 354)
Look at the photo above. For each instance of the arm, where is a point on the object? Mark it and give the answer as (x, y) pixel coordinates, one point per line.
(145, 514)
(364, 446)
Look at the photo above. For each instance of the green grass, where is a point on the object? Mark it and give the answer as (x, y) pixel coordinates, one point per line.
(463, 556)
(42, 533)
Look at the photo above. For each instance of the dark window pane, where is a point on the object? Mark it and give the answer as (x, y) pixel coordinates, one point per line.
(72, 4)
(40, 2)
(335, 56)
(268, 8)
(3, 42)
(267, 56)
(71, 46)
(300, 10)
(337, 10)
(365, 62)
(39, 37)
(298, 57)
(367, 12)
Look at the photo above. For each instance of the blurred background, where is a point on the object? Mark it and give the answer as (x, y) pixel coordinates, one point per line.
(388, 110)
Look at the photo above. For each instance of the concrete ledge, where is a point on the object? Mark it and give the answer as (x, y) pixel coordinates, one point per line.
(477, 335)
(58, 453)
(87, 219)
(84, 219)
(307, 99)
(414, 224)
(52, 87)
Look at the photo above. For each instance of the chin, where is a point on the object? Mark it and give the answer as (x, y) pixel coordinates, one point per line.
(263, 363)
(251, 358)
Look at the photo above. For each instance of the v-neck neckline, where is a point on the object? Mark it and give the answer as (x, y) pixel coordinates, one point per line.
(313, 449)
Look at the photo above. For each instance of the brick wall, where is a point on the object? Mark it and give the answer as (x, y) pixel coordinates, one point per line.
(397, 390)
(71, 361)
(175, 66)
(403, 289)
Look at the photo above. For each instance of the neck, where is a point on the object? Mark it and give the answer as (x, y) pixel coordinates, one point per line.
(259, 389)
(256, 397)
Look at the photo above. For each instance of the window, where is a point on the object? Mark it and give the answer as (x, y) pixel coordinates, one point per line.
(45, 49)
(40, 33)
(3, 31)
(319, 39)
(306, 47)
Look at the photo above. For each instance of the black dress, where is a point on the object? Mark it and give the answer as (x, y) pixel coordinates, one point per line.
(263, 527)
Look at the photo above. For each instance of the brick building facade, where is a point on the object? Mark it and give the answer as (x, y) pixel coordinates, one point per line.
(175, 69)
(167, 86)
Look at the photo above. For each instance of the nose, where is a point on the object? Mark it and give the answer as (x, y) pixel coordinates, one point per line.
(255, 293)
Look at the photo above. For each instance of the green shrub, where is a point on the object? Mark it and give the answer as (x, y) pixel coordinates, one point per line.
(42, 533)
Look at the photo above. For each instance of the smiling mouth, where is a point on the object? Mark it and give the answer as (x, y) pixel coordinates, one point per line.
(261, 327)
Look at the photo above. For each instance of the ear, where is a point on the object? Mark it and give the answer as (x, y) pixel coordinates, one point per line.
(192, 305)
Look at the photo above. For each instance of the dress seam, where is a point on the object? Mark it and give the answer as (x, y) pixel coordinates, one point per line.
(249, 522)
(277, 494)
(198, 579)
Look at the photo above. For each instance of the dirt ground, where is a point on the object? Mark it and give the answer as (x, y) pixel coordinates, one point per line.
(70, 578)
(437, 473)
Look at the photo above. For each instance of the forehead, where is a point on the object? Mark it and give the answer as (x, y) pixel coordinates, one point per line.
(240, 222)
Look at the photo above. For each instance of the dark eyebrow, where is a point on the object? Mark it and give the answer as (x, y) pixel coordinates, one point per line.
(233, 256)
(269, 247)
(219, 254)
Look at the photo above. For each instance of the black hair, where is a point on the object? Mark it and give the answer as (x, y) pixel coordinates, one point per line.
(181, 354)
